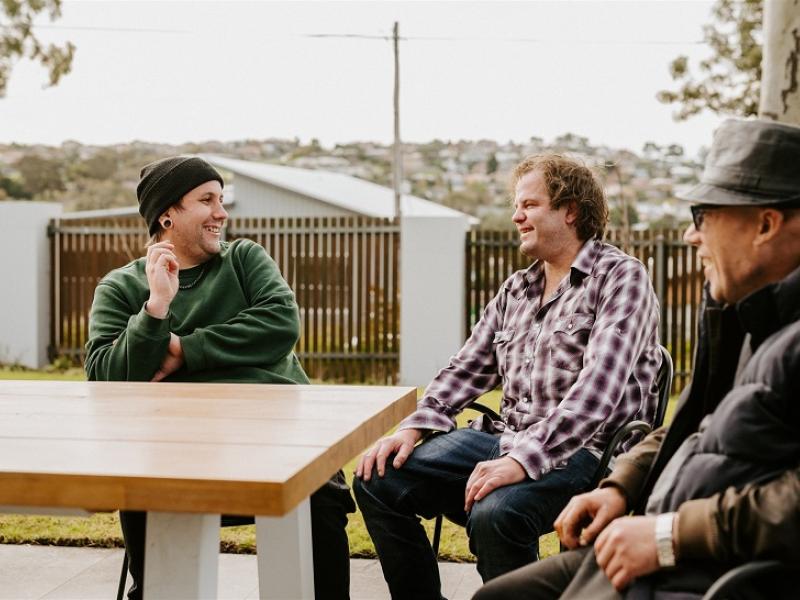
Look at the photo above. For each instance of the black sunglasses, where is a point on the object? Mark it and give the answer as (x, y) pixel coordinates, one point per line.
(699, 213)
(699, 210)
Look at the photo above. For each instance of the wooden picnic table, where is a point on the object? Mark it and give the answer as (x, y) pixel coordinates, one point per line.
(186, 453)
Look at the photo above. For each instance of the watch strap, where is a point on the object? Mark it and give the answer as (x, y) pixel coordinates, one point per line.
(664, 549)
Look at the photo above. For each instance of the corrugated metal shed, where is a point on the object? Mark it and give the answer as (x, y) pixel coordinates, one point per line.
(348, 193)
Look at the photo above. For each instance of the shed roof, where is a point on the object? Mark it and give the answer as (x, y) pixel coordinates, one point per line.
(345, 191)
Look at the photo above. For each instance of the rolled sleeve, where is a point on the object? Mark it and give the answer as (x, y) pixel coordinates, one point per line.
(470, 373)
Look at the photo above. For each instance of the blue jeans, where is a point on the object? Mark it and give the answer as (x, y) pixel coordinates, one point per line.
(503, 528)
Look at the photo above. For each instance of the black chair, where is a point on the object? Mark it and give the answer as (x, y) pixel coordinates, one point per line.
(225, 521)
(732, 580)
(664, 385)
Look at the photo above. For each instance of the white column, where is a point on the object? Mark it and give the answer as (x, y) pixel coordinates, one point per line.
(25, 272)
(181, 556)
(285, 561)
(432, 295)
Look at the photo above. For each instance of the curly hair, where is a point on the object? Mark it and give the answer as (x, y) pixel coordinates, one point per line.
(568, 180)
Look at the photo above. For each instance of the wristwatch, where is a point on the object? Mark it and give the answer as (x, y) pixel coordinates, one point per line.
(664, 549)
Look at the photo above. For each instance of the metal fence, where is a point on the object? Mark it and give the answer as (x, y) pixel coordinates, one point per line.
(344, 272)
(492, 256)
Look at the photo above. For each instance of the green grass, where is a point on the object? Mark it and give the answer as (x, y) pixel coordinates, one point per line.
(102, 530)
(73, 374)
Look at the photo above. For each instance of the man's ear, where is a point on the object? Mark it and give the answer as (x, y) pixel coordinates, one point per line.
(770, 222)
(572, 213)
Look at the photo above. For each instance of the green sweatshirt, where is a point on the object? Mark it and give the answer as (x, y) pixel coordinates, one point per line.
(238, 322)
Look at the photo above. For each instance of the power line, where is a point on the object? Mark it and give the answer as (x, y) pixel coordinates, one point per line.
(412, 38)
(349, 35)
(526, 40)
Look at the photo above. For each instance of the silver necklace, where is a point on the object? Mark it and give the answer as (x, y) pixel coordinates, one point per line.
(188, 286)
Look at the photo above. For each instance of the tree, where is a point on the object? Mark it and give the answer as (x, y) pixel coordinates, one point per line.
(617, 219)
(730, 79)
(40, 175)
(13, 189)
(17, 40)
(780, 85)
(491, 164)
(571, 142)
(102, 165)
(474, 195)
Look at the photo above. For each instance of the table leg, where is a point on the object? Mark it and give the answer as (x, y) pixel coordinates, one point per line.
(285, 563)
(181, 556)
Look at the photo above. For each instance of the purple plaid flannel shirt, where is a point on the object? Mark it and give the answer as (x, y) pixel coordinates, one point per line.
(574, 368)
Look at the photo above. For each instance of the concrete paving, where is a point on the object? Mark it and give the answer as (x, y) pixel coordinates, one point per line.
(59, 573)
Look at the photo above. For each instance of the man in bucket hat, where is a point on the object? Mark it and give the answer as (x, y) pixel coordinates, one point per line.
(720, 486)
(199, 309)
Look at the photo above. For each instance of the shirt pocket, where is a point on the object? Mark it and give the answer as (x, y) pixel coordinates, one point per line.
(502, 342)
(569, 340)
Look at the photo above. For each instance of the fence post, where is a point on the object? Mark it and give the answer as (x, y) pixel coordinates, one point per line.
(432, 288)
(661, 284)
(25, 273)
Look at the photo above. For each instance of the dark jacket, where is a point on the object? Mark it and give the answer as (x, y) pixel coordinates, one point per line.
(737, 485)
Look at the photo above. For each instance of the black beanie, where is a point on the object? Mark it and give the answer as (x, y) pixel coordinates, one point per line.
(164, 182)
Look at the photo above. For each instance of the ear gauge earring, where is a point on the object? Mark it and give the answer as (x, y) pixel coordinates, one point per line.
(166, 223)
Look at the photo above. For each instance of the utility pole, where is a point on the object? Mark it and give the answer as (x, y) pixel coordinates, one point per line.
(398, 153)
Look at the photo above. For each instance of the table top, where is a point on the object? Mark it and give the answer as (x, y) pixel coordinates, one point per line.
(249, 449)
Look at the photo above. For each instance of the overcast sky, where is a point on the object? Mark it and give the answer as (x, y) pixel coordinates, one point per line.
(194, 71)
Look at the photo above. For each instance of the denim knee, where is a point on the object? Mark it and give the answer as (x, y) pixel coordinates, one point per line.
(369, 493)
(495, 517)
(387, 492)
(488, 515)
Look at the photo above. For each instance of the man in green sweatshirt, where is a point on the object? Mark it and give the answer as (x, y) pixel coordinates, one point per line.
(198, 309)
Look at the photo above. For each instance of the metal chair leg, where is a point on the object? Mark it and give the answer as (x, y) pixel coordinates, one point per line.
(437, 535)
(123, 577)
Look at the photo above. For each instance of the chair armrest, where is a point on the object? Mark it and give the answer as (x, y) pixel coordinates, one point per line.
(622, 433)
(485, 410)
(725, 584)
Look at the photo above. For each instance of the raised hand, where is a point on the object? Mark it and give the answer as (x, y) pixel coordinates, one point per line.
(161, 268)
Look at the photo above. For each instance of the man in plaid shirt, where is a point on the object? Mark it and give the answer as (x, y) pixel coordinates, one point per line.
(573, 342)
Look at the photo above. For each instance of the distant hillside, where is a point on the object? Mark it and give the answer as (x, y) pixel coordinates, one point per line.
(472, 176)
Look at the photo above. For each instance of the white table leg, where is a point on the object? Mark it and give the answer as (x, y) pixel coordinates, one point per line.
(181, 556)
(285, 563)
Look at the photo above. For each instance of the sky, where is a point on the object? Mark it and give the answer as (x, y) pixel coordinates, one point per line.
(191, 71)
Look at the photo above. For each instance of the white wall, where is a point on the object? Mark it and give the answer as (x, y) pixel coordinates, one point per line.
(25, 273)
(258, 199)
(432, 295)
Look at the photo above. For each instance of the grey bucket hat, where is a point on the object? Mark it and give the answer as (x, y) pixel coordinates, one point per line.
(750, 163)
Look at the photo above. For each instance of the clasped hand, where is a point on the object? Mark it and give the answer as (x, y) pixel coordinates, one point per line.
(173, 359)
(625, 547)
